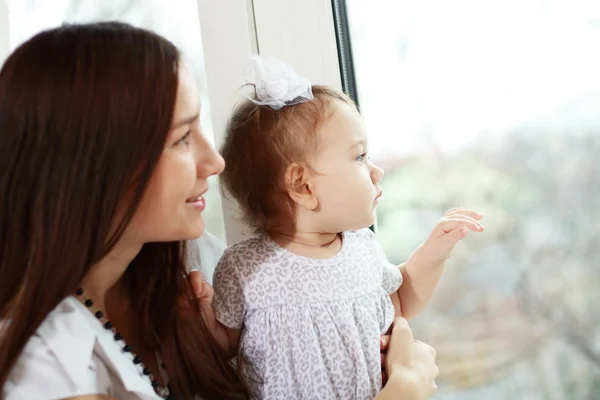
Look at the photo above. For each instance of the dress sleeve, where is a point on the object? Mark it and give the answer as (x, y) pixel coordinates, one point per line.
(228, 301)
(391, 277)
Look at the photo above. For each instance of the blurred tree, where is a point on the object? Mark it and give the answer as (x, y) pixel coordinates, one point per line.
(518, 305)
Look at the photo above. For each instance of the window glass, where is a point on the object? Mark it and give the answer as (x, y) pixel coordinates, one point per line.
(493, 105)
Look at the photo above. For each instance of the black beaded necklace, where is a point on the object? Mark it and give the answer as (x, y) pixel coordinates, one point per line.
(137, 361)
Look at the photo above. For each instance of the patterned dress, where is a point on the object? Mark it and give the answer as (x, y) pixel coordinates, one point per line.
(311, 327)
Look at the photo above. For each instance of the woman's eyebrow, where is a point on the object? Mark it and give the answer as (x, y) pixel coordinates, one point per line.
(186, 121)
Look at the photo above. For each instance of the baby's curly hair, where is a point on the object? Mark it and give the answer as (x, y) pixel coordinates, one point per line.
(260, 143)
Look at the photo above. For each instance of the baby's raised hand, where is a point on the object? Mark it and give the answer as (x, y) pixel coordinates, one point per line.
(452, 228)
(424, 268)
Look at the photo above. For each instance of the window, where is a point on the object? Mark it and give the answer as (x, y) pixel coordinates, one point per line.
(179, 24)
(492, 105)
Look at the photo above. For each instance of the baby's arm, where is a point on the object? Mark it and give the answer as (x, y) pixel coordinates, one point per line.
(228, 302)
(420, 278)
(395, 297)
(407, 301)
(227, 338)
(423, 270)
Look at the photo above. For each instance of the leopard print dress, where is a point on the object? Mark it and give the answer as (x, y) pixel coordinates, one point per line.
(311, 327)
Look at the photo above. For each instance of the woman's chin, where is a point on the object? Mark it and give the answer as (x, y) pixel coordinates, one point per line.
(193, 231)
(199, 231)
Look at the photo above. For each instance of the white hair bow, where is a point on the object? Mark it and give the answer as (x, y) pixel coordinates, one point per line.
(275, 83)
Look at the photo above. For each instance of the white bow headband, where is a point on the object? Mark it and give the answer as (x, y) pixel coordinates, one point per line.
(275, 83)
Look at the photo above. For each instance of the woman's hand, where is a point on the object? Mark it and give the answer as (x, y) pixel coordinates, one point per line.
(204, 294)
(384, 342)
(409, 366)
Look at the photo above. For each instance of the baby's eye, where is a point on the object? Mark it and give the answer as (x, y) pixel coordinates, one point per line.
(361, 157)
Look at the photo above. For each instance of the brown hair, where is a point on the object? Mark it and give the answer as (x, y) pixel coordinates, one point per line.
(85, 111)
(260, 143)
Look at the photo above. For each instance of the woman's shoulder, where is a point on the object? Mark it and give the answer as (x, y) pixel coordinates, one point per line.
(57, 360)
(70, 355)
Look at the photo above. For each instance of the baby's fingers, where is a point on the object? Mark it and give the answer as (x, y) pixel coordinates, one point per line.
(465, 212)
(448, 225)
(450, 239)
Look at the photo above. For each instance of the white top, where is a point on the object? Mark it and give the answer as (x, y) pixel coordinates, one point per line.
(204, 254)
(311, 327)
(71, 354)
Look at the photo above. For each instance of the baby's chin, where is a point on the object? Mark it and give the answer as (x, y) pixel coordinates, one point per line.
(358, 225)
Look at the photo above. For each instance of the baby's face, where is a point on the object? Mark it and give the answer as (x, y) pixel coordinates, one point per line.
(348, 183)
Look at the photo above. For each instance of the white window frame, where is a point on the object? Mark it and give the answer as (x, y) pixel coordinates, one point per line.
(4, 32)
(299, 32)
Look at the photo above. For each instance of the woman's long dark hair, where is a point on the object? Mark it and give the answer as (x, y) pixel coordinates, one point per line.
(84, 115)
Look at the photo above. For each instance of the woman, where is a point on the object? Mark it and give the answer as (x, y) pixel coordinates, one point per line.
(102, 172)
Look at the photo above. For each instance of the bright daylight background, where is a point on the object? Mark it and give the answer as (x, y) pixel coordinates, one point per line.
(493, 105)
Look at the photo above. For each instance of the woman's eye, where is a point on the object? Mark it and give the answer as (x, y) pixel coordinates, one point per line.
(185, 139)
(361, 157)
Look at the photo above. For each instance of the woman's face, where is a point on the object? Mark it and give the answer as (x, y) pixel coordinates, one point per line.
(172, 206)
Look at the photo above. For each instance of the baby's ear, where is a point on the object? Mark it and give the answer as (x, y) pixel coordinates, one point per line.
(299, 184)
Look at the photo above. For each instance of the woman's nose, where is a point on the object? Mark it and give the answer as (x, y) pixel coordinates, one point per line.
(210, 161)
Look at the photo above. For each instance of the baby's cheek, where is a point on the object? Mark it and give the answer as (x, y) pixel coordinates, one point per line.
(326, 188)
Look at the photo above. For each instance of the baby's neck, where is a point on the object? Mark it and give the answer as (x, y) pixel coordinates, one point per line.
(309, 244)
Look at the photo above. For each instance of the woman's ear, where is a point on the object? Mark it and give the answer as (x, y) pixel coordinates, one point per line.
(300, 185)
